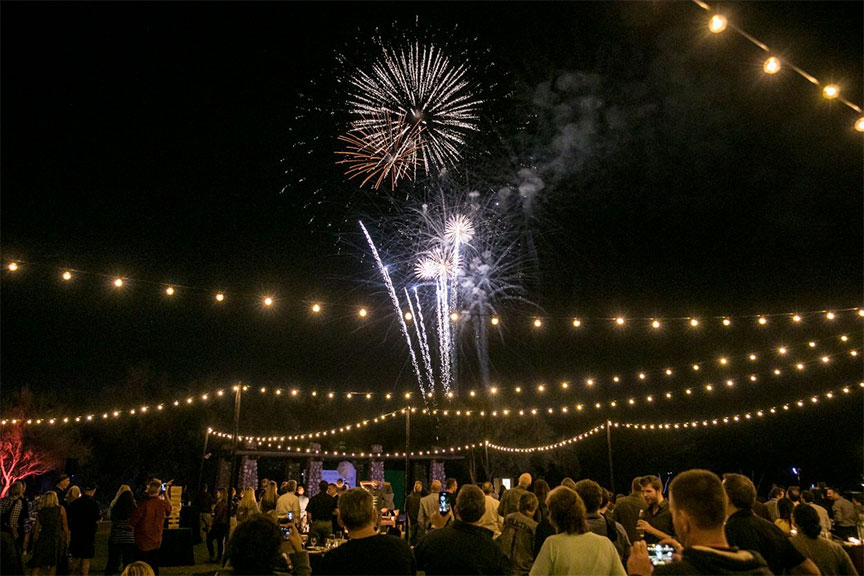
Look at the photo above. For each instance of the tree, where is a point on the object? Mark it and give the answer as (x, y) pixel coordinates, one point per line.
(18, 460)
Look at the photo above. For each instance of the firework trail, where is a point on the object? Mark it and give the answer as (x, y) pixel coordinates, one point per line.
(395, 299)
(421, 337)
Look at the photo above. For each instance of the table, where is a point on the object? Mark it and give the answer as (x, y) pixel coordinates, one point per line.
(177, 547)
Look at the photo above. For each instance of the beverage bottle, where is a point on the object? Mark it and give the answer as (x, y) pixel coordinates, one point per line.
(640, 534)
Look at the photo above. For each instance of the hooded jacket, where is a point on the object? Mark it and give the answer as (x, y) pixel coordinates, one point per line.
(705, 560)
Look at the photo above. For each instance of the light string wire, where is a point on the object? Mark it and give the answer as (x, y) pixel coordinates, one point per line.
(269, 302)
(718, 23)
(723, 363)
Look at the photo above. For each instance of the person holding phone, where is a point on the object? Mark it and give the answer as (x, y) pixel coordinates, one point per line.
(148, 521)
(698, 506)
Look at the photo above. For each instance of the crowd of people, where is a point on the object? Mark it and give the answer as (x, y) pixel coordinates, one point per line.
(712, 525)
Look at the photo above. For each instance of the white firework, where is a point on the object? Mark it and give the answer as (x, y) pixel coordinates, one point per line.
(459, 230)
(424, 85)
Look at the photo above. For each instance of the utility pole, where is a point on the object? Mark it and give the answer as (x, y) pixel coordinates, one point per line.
(609, 448)
(407, 449)
(232, 478)
(203, 457)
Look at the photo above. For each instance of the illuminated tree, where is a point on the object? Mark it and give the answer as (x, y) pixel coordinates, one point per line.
(18, 460)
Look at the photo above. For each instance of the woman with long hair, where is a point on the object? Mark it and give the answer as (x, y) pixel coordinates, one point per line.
(121, 540)
(574, 549)
(541, 491)
(828, 555)
(247, 506)
(73, 494)
(268, 501)
(784, 513)
(50, 534)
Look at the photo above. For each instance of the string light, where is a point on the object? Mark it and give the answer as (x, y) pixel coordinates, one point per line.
(859, 124)
(717, 24)
(763, 321)
(13, 266)
(316, 308)
(771, 65)
(362, 312)
(577, 323)
(409, 316)
(169, 290)
(494, 321)
(220, 297)
(655, 324)
(538, 323)
(831, 91)
(619, 321)
(694, 322)
(67, 275)
(268, 301)
(118, 282)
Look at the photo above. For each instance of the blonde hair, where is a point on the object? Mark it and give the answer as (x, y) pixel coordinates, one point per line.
(138, 569)
(49, 499)
(248, 499)
(73, 494)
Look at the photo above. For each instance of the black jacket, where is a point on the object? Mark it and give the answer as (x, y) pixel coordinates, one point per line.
(460, 549)
(704, 560)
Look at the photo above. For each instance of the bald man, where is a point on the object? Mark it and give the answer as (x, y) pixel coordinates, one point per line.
(510, 500)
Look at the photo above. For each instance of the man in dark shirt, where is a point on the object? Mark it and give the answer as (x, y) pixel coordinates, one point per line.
(320, 510)
(656, 519)
(627, 509)
(367, 551)
(698, 508)
(412, 509)
(83, 515)
(749, 532)
(463, 547)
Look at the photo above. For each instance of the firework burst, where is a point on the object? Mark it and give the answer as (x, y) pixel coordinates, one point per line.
(426, 87)
(386, 148)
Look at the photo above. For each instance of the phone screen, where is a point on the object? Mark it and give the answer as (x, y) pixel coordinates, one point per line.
(290, 515)
(286, 532)
(660, 555)
(444, 502)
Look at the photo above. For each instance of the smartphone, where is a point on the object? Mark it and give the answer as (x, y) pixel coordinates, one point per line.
(164, 487)
(444, 502)
(660, 555)
(286, 531)
(290, 515)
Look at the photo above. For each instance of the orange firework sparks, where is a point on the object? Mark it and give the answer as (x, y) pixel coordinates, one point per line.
(388, 151)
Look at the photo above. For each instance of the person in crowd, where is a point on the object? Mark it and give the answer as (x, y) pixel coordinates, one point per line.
(247, 507)
(501, 490)
(747, 531)
(656, 520)
(569, 483)
(628, 508)
(784, 515)
(829, 556)
(121, 540)
(221, 524)
(257, 547)
(698, 508)
(490, 520)
(367, 551)
(428, 509)
(288, 502)
(412, 510)
(320, 513)
(10, 557)
(844, 517)
(62, 486)
(387, 497)
(761, 510)
(607, 505)
(269, 499)
(304, 502)
(72, 494)
(148, 521)
(138, 568)
(464, 547)
(574, 549)
(205, 509)
(50, 534)
(592, 495)
(793, 493)
(333, 491)
(510, 500)
(83, 517)
(517, 535)
(541, 491)
(807, 497)
(773, 497)
(259, 495)
(15, 512)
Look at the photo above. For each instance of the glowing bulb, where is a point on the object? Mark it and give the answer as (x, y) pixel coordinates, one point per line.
(763, 321)
(727, 322)
(724, 361)
(668, 371)
(844, 338)
(538, 323)
(408, 316)
(655, 324)
(753, 357)
(619, 321)
(577, 323)
(859, 124)
(220, 297)
(771, 65)
(67, 275)
(694, 322)
(169, 291)
(861, 313)
(13, 266)
(796, 318)
(316, 308)
(362, 312)
(854, 353)
(589, 382)
(811, 344)
(565, 385)
(268, 301)
(118, 282)
(494, 321)
(782, 350)
(493, 390)
(696, 367)
(800, 366)
(454, 316)
(518, 389)
(641, 375)
(825, 359)
(830, 316)
(717, 24)
(831, 91)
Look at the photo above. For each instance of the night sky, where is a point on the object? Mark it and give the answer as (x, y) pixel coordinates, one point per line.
(192, 144)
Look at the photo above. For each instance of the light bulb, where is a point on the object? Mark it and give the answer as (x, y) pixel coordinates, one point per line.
(169, 291)
(694, 322)
(362, 312)
(494, 321)
(67, 275)
(831, 91)
(268, 301)
(717, 24)
(13, 266)
(316, 308)
(118, 282)
(577, 323)
(538, 323)
(619, 320)
(859, 124)
(220, 297)
(771, 65)
(408, 316)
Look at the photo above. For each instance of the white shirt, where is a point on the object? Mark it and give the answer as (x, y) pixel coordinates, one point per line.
(288, 502)
(575, 554)
(490, 519)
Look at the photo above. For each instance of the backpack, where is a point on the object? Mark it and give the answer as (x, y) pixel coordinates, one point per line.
(611, 531)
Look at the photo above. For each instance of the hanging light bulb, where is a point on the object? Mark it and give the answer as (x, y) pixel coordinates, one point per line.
(859, 124)
(771, 65)
(67, 275)
(831, 91)
(717, 23)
